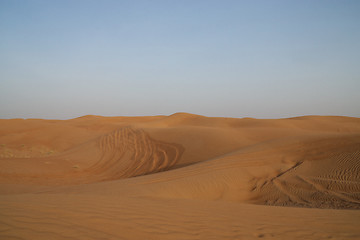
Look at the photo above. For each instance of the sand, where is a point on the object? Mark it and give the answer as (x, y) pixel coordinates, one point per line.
(182, 176)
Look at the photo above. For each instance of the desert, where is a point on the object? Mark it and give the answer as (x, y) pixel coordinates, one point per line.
(179, 120)
(181, 176)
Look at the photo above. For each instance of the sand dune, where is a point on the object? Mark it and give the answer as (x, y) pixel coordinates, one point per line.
(182, 176)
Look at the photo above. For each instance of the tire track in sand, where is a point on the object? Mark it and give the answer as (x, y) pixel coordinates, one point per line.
(130, 152)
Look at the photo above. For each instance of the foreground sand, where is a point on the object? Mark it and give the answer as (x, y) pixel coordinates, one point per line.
(182, 176)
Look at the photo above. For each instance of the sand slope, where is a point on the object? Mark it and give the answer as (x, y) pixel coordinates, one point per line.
(182, 176)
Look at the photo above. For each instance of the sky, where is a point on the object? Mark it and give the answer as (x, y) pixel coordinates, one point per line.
(62, 59)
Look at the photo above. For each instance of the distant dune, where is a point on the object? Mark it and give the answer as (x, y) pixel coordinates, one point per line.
(182, 176)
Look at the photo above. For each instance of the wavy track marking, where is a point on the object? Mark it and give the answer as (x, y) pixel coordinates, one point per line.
(296, 187)
(130, 152)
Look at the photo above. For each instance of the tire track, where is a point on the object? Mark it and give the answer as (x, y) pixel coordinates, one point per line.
(130, 152)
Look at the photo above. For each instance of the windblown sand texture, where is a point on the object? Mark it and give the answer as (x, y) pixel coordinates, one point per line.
(182, 176)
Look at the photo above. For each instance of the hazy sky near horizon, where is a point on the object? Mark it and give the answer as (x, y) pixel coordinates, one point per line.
(262, 59)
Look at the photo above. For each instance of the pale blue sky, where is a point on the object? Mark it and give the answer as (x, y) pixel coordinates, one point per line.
(264, 59)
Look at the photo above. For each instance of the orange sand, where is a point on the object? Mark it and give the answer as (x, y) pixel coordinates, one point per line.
(182, 176)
